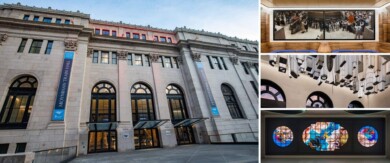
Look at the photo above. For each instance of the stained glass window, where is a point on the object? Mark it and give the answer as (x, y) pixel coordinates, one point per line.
(367, 136)
(325, 136)
(282, 136)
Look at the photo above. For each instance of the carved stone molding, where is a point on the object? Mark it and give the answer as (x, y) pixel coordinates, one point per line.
(196, 57)
(89, 52)
(71, 45)
(3, 38)
(154, 57)
(234, 60)
(180, 59)
(122, 55)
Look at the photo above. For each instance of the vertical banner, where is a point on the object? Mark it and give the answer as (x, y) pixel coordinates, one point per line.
(206, 87)
(62, 92)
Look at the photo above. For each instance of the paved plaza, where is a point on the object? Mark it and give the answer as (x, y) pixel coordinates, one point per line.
(199, 153)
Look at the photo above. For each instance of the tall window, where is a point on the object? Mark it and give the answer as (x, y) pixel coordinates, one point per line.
(223, 63)
(36, 46)
(147, 60)
(138, 59)
(143, 37)
(103, 103)
(272, 96)
(255, 87)
(256, 49)
(114, 58)
(95, 57)
(210, 62)
(26, 17)
(18, 103)
(49, 47)
(22, 45)
(114, 33)
(4, 148)
(245, 66)
(174, 62)
(104, 57)
(216, 62)
(20, 147)
(136, 36)
(176, 103)
(106, 32)
(47, 20)
(67, 21)
(97, 31)
(318, 100)
(128, 35)
(36, 18)
(169, 40)
(168, 62)
(129, 59)
(163, 39)
(58, 21)
(161, 60)
(245, 48)
(231, 101)
(141, 103)
(155, 38)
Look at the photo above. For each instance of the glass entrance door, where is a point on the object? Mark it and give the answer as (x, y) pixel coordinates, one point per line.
(184, 135)
(102, 141)
(146, 138)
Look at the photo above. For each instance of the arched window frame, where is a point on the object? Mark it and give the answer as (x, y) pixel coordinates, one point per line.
(316, 97)
(279, 98)
(103, 91)
(147, 95)
(23, 88)
(355, 104)
(231, 101)
(174, 92)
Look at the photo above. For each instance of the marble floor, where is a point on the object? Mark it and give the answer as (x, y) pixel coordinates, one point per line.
(335, 160)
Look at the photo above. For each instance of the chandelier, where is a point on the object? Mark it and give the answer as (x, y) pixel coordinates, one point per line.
(362, 74)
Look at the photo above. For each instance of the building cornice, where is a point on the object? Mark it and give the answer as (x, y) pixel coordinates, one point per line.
(126, 41)
(31, 25)
(128, 25)
(218, 47)
(202, 32)
(44, 10)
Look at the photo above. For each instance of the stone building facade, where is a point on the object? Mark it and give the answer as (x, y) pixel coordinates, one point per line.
(69, 80)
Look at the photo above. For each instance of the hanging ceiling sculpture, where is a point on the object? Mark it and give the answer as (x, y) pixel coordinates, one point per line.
(362, 74)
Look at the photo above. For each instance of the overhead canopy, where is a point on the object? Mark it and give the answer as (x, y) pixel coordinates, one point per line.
(149, 124)
(102, 126)
(189, 122)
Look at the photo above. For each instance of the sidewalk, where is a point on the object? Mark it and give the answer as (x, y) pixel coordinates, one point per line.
(199, 153)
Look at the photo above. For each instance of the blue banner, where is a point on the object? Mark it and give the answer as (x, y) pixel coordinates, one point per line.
(62, 92)
(206, 87)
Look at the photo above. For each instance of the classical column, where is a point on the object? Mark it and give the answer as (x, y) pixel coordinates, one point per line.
(167, 132)
(125, 129)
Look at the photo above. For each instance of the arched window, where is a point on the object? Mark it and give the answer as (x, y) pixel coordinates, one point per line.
(319, 100)
(18, 103)
(176, 103)
(103, 103)
(355, 104)
(272, 96)
(231, 101)
(141, 103)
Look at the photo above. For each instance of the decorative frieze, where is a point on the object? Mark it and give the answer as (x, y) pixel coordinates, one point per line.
(3, 38)
(71, 45)
(154, 57)
(122, 55)
(196, 57)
